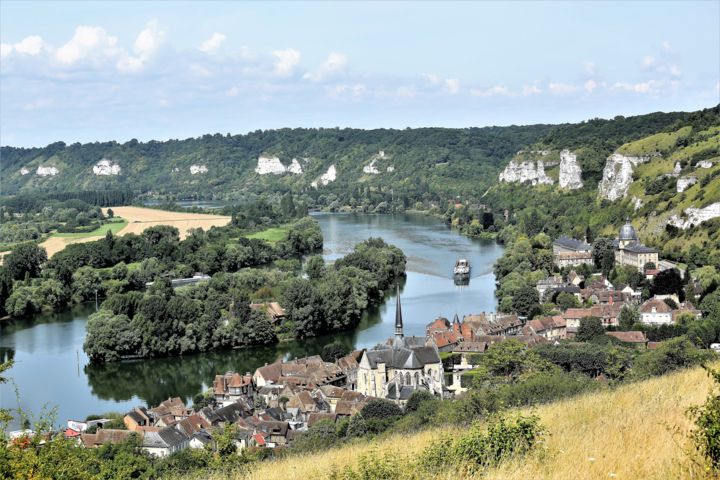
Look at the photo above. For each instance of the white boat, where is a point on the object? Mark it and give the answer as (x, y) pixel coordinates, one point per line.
(462, 268)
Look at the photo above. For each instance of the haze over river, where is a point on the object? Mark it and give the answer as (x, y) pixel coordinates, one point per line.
(51, 370)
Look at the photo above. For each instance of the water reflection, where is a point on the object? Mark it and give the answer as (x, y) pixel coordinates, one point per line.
(51, 368)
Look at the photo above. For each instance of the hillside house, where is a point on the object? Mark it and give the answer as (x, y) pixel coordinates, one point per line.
(656, 312)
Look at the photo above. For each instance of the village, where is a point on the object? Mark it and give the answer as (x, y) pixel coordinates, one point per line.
(272, 406)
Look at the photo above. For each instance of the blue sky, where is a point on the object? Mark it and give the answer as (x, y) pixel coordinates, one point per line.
(82, 71)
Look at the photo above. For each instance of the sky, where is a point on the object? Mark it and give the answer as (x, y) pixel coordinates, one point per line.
(98, 71)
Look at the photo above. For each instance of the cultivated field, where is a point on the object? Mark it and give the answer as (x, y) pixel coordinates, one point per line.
(638, 431)
(139, 219)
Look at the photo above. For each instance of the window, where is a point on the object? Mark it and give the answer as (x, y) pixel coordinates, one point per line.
(407, 378)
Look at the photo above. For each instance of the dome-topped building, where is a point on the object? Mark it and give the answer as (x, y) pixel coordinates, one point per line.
(631, 252)
(628, 233)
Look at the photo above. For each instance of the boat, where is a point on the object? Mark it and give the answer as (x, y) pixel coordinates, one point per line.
(462, 268)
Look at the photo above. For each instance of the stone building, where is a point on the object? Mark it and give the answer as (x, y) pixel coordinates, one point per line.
(394, 371)
(568, 252)
(630, 252)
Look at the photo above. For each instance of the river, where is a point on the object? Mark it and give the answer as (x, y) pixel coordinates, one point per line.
(51, 370)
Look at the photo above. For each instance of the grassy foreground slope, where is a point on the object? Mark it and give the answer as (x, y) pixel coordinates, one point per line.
(636, 431)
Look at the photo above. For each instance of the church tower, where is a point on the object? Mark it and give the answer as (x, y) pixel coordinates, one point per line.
(399, 341)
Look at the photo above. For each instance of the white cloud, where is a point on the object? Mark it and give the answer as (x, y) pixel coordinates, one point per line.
(589, 68)
(562, 88)
(497, 90)
(31, 45)
(651, 86)
(666, 46)
(149, 40)
(88, 42)
(38, 104)
(406, 91)
(590, 85)
(675, 71)
(212, 44)
(233, 91)
(450, 85)
(129, 64)
(530, 90)
(334, 64)
(286, 61)
(649, 61)
(353, 91)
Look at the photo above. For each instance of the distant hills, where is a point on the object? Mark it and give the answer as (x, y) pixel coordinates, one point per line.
(416, 164)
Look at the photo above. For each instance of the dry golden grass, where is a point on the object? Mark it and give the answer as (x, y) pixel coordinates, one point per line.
(638, 431)
(141, 218)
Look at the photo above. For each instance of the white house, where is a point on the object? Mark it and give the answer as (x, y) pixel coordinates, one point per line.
(656, 312)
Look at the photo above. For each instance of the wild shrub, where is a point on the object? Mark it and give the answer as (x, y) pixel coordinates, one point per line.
(706, 435)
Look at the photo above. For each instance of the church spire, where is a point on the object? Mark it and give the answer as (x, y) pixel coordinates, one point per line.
(399, 342)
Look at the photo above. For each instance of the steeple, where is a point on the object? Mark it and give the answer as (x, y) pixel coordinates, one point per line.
(399, 341)
(456, 320)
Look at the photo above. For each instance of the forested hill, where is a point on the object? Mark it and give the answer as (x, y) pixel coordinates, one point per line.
(427, 163)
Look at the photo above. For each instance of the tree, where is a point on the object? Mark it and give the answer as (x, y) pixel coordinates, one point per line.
(603, 252)
(710, 305)
(110, 213)
(526, 301)
(26, 258)
(85, 284)
(668, 282)
(566, 300)
(333, 351)
(628, 317)
(380, 409)
(590, 327)
(22, 302)
(315, 267)
(417, 398)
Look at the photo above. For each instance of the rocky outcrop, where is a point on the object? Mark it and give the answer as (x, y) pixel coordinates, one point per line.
(704, 164)
(48, 171)
(684, 183)
(636, 203)
(24, 171)
(695, 216)
(526, 171)
(570, 171)
(106, 167)
(327, 177)
(196, 169)
(371, 168)
(273, 165)
(618, 175)
(295, 167)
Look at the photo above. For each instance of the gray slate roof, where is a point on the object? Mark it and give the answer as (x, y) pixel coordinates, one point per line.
(639, 248)
(572, 244)
(407, 358)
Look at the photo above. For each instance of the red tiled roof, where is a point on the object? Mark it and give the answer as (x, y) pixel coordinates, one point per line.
(629, 337)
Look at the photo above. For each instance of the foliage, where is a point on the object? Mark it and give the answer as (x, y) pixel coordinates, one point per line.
(333, 351)
(590, 327)
(670, 355)
(706, 435)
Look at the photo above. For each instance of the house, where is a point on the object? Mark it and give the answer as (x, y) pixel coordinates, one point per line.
(687, 308)
(230, 387)
(273, 310)
(165, 442)
(634, 337)
(306, 372)
(548, 284)
(551, 328)
(192, 425)
(574, 279)
(136, 418)
(316, 417)
(348, 365)
(656, 312)
(330, 394)
(445, 341)
(630, 252)
(493, 323)
(276, 433)
(608, 315)
(568, 252)
(228, 414)
(200, 439)
(171, 410)
(395, 371)
(106, 435)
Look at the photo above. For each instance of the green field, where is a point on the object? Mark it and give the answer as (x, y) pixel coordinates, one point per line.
(98, 232)
(272, 234)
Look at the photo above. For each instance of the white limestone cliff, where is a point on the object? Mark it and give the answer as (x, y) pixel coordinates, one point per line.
(390, 169)
(295, 167)
(570, 171)
(327, 177)
(684, 183)
(618, 175)
(695, 216)
(636, 203)
(372, 168)
(106, 167)
(704, 164)
(24, 171)
(195, 169)
(46, 171)
(525, 171)
(273, 165)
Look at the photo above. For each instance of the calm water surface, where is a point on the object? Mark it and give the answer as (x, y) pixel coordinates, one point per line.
(51, 370)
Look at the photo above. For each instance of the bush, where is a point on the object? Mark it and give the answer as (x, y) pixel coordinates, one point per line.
(671, 355)
(483, 447)
(706, 435)
(416, 399)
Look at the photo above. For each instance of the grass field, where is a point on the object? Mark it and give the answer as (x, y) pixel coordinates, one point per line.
(272, 234)
(114, 227)
(637, 431)
(135, 220)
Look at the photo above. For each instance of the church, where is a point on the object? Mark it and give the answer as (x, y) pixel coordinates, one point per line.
(630, 252)
(402, 366)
